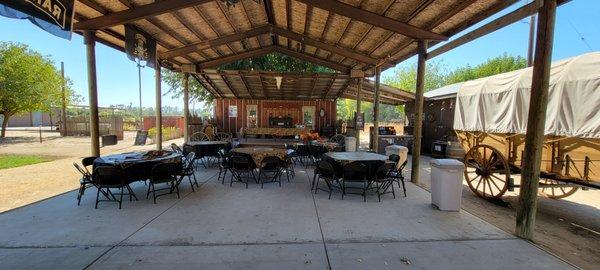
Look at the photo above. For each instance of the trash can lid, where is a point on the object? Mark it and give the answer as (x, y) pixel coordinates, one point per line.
(447, 164)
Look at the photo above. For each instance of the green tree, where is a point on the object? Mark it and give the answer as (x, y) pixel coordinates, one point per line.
(275, 62)
(175, 82)
(492, 66)
(405, 77)
(29, 81)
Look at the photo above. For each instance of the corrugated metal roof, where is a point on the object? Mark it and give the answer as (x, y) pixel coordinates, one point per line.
(443, 92)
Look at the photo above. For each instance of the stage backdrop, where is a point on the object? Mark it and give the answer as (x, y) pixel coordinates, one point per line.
(232, 123)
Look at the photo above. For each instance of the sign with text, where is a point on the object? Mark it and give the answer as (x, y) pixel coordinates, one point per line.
(54, 16)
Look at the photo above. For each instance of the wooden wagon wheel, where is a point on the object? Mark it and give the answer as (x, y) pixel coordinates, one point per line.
(486, 171)
(555, 192)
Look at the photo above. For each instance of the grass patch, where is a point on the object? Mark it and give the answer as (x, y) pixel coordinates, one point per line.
(12, 161)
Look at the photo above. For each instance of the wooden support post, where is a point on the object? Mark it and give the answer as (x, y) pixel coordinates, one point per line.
(158, 109)
(358, 110)
(376, 110)
(63, 113)
(536, 121)
(89, 38)
(186, 107)
(418, 124)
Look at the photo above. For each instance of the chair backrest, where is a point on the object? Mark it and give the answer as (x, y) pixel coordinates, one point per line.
(199, 136)
(302, 150)
(176, 148)
(166, 170)
(187, 149)
(339, 138)
(108, 176)
(325, 169)
(270, 163)
(384, 170)
(86, 162)
(401, 168)
(316, 150)
(189, 160)
(395, 158)
(239, 162)
(83, 172)
(355, 171)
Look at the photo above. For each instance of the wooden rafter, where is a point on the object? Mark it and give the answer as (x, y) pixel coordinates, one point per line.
(510, 18)
(374, 19)
(235, 57)
(245, 83)
(313, 59)
(270, 18)
(328, 47)
(231, 89)
(212, 84)
(206, 44)
(140, 12)
(326, 92)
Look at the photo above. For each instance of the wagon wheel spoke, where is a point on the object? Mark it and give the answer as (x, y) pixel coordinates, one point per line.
(479, 183)
(494, 182)
(503, 181)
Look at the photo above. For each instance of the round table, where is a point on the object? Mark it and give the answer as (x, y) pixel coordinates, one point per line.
(330, 146)
(371, 160)
(138, 165)
(206, 148)
(258, 153)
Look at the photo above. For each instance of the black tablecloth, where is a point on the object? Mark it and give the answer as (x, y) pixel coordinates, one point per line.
(207, 148)
(338, 166)
(136, 165)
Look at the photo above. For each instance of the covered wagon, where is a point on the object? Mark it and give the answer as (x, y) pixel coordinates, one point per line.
(491, 120)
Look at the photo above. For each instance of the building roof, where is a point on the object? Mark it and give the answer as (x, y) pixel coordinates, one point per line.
(341, 35)
(294, 86)
(443, 92)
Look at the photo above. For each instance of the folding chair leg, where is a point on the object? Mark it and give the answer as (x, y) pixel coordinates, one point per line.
(148, 192)
(97, 195)
(121, 198)
(191, 184)
(195, 181)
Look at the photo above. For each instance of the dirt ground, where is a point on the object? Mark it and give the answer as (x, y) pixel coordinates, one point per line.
(568, 227)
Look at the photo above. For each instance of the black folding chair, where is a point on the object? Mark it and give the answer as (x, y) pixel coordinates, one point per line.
(187, 170)
(224, 165)
(241, 170)
(384, 180)
(287, 167)
(111, 177)
(270, 168)
(85, 182)
(176, 148)
(164, 173)
(302, 153)
(327, 173)
(355, 172)
(397, 175)
(316, 152)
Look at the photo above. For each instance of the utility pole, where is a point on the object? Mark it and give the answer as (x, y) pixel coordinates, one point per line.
(63, 114)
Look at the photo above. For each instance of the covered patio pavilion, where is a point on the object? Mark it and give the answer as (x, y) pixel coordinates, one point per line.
(357, 39)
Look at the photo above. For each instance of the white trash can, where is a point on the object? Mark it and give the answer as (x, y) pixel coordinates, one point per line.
(350, 144)
(398, 150)
(446, 183)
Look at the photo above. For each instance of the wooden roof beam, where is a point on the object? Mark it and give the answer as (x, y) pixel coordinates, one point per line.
(234, 57)
(374, 19)
(224, 77)
(510, 18)
(207, 44)
(140, 12)
(324, 46)
(313, 59)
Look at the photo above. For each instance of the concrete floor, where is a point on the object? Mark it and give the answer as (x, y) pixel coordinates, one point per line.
(222, 227)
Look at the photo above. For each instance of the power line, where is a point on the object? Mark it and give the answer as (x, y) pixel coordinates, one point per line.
(580, 35)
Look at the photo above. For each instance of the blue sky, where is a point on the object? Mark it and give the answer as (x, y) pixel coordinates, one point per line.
(117, 76)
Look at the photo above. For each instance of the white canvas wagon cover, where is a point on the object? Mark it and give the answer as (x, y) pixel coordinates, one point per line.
(500, 103)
